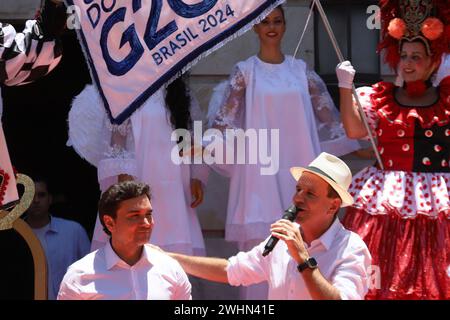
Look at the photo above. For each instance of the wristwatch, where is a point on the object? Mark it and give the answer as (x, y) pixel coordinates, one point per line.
(310, 263)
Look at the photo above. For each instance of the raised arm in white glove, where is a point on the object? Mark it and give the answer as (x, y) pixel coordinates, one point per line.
(345, 74)
(353, 124)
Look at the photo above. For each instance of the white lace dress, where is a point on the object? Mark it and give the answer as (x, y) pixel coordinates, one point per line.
(260, 95)
(140, 147)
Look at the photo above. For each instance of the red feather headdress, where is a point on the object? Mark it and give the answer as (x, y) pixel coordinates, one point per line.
(410, 20)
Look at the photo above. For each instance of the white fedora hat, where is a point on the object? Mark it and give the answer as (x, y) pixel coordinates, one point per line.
(334, 171)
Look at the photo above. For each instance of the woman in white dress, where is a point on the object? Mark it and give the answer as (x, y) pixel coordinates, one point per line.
(141, 149)
(272, 91)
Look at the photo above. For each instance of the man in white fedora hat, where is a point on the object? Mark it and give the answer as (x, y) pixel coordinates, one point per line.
(317, 257)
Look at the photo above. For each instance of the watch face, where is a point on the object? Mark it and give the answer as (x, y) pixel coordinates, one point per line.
(312, 263)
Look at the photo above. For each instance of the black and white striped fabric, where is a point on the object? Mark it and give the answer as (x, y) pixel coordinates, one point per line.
(26, 56)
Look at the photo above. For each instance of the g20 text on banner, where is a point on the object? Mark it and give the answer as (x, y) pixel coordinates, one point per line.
(133, 47)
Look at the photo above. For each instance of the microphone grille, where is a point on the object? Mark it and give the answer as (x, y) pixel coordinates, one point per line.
(291, 212)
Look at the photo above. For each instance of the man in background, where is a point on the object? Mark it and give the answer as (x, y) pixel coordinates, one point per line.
(64, 241)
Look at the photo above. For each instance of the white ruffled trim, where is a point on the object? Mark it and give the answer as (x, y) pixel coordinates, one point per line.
(408, 193)
(113, 167)
(118, 152)
(123, 128)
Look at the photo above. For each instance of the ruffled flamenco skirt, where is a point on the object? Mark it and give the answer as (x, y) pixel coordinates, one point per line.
(404, 218)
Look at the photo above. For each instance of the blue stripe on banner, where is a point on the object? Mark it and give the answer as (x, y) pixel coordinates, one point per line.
(175, 69)
(137, 4)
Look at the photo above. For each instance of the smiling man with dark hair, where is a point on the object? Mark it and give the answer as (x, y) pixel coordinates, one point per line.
(127, 267)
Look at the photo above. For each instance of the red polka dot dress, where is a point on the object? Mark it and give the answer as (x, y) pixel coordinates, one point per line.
(403, 212)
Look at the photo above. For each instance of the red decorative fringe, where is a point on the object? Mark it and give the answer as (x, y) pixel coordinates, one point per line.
(386, 106)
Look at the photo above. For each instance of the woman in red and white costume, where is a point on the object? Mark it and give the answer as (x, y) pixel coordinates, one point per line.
(403, 211)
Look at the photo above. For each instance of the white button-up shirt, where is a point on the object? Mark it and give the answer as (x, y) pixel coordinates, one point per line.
(342, 257)
(102, 275)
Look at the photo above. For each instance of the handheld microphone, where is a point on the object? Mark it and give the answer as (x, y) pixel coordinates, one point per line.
(290, 214)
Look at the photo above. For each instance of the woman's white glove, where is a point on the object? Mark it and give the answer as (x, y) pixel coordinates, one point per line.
(345, 74)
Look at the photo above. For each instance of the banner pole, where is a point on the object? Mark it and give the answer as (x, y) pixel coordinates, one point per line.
(341, 59)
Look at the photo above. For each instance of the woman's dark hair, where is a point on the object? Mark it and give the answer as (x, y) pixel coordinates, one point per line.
(280, 7)
(178, 102)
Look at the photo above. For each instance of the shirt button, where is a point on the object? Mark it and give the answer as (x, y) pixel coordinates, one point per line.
(405, 147)
(428, 133)
(401, 133)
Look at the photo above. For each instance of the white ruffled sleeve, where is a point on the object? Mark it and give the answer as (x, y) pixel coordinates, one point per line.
(119, 157)
(225, 111)
(330, 128)
(232, 106)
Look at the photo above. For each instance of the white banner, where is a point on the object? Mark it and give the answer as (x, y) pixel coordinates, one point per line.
(133, 47)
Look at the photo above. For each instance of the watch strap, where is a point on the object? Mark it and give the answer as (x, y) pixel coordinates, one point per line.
(309, 263)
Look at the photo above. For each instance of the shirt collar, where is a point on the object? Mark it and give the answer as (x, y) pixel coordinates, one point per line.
(112, 259)
(147, 255)
(328, 236)
(53, 225)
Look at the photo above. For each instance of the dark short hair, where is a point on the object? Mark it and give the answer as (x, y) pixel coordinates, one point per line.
(42, 178)
(111, 199)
